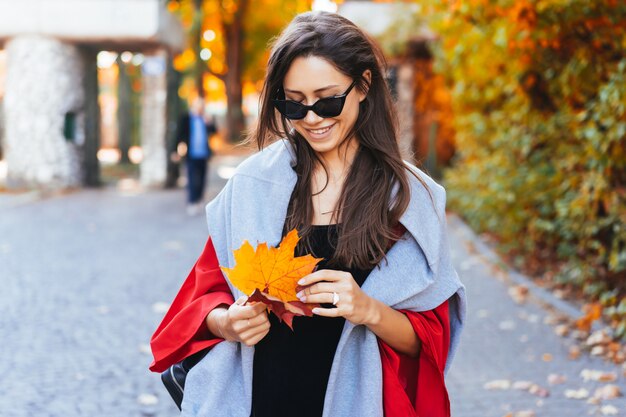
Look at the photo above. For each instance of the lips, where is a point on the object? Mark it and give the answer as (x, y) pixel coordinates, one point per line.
(320, 131)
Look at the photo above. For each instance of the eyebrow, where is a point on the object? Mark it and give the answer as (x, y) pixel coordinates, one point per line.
(328, 87)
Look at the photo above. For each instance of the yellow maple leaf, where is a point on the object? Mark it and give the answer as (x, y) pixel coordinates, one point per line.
(274, 271)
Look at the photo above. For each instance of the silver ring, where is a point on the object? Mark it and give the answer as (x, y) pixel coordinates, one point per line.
(335, 298)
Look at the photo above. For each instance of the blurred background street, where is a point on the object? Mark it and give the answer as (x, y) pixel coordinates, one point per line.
(517, 107)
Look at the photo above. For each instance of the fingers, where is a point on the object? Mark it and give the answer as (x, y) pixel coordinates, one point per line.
(255, 333)
(325, 297)
(248, 317)
(257, 321)
(320, 287)
(326, 312)
(324, 275)
(239, 311)
(252, 338)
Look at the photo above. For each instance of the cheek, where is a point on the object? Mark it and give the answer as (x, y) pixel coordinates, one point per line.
(350, 111)
(295, 125)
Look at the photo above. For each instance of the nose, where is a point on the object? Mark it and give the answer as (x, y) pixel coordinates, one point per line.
(312, 118)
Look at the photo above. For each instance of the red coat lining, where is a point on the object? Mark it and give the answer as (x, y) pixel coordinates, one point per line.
(412, 387)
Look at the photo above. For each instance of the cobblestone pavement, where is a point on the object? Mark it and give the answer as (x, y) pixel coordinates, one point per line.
(86, 278)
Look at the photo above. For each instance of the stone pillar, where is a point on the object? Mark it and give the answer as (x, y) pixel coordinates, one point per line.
(43, 110)
(153, 168)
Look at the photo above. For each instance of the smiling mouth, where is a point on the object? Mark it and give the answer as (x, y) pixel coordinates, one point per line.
(321, 131)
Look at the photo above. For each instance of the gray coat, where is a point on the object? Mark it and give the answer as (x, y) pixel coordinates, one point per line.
(417, 276)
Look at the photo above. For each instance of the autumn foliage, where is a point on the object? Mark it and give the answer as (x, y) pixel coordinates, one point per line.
(539, 99)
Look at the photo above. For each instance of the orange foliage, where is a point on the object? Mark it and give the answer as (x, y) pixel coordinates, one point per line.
(433, 104)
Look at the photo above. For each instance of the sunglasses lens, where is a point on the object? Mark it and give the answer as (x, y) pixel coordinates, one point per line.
(290, 109)
(294, 110)
(329, 107)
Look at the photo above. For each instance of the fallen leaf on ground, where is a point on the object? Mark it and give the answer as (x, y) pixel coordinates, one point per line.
(522, 385)
(147, 399)
(608, 410)
(619, 356)
(579, 334)
(507, 325)
(597, 351)
(607, 392)
(546, 357)
(145, 348)
(594, 400)
(551, 319)
(555, 379)
(519, 293)
(577, 394)
(596, 375)
(498, 384)
(599, 337)
(592, 313)
(574, 352)
(160, 307)
(531, 387)
(538, 391)
(561, 330)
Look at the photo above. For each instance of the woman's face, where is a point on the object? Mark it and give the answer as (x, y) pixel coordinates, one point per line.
(310, 79)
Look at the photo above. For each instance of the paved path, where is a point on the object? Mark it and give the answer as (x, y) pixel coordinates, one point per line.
(84, 278)
(506, 341)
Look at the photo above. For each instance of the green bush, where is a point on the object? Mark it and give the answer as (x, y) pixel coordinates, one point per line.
(539, 96)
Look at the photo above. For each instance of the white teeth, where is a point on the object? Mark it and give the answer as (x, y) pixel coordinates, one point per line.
(320, 131)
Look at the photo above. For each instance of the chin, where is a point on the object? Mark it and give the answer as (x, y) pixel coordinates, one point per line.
(323, 147)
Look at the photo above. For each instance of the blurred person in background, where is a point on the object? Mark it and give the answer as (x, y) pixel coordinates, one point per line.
(195, 130)
(388, 304)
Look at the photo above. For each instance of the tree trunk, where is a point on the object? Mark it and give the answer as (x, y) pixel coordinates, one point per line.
(197, 39)
(92, 119)
(172, 113)
(233, 31)
(123, 111)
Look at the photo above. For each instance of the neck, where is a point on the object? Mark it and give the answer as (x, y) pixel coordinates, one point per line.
(339, 160)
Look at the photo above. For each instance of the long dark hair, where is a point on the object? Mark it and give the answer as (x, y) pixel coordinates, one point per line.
(376, 191)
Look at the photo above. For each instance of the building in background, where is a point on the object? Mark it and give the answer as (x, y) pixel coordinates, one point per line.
(50, 108)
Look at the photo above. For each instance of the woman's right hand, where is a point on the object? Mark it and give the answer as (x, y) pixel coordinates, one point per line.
(247, 324)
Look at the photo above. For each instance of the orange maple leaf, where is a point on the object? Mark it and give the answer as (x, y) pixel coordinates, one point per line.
(273, 271)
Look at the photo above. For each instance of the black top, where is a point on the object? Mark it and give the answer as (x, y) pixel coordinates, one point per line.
(291, 368)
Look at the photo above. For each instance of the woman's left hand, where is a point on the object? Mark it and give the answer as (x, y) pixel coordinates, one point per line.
(353, 304)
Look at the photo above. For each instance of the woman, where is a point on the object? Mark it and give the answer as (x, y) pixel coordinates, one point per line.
(392, 304)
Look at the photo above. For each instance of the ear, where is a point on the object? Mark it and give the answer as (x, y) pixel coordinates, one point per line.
(367, 76)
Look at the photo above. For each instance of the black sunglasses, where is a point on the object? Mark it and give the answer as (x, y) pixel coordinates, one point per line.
(324, 107)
